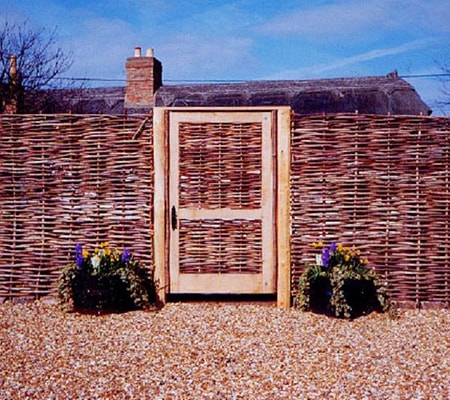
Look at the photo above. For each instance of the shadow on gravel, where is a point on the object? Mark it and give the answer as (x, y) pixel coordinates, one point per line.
(267, 299)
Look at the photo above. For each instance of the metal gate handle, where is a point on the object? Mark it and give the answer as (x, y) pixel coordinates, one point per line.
(174, 218)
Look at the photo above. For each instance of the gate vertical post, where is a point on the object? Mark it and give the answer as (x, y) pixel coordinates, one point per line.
(159, 205)
(283, 225)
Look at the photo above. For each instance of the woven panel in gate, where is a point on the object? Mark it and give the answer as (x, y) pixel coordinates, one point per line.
(220, 165)
(66, 179)
(380, 183)
(220, 246)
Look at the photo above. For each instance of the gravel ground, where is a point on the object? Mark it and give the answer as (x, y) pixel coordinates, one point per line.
(221, 351)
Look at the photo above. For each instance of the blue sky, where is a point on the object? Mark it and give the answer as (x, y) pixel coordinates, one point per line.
(251, 39)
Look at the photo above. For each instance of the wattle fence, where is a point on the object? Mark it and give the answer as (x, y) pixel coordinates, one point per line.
(67, 179)
(381, 183)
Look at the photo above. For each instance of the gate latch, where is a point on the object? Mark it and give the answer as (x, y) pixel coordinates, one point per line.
(174, 218)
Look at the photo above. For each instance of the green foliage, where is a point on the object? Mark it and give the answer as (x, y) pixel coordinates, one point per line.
(340, 284)
(105, 280)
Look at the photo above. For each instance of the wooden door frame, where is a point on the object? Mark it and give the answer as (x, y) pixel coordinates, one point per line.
(261, 210)
(282, 195)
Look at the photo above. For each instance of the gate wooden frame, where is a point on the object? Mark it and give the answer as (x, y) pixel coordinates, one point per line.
(282, 194)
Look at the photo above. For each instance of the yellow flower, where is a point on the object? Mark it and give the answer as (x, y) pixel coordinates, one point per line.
(317, 245)
(347, 257)
(85, 253)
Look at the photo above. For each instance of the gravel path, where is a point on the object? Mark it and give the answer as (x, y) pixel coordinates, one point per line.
(221, 351)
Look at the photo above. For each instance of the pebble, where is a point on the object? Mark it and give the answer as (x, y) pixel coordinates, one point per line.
(221, 351)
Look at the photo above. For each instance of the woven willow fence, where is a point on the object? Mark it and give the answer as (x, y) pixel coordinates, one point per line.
(381, 184)
(67, 179)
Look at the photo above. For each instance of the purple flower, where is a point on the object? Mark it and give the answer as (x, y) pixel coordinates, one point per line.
(126, 255)
(333, 247)
(325, 257)
(79, 255)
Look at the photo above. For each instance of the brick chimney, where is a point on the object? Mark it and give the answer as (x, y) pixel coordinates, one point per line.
(144, 77)
(12, 92)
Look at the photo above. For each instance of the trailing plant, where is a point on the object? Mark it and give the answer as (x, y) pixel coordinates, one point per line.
(105, 279)
(341, 284)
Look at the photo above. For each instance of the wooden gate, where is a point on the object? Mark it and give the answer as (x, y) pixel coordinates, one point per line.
(220, 199)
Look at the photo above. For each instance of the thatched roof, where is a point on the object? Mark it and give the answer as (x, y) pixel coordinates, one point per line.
(108, 100)
(371, 95)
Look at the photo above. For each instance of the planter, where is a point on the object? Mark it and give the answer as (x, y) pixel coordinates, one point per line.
(361, 296)
(320, 292)
(340, 284)
(106, 293)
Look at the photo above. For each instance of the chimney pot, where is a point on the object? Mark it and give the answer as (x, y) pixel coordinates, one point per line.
(10, 101)
(137, 51)
(13, 69)
(150, 52)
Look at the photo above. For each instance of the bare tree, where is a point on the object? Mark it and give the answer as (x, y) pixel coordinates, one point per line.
(31, 65)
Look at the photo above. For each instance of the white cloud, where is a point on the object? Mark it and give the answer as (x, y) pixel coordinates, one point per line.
(343, 19)
(417, 15)
(339, 63)
(196, 57)
(371, 55)
(100, 47)
(221, 20)
(195, 43)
